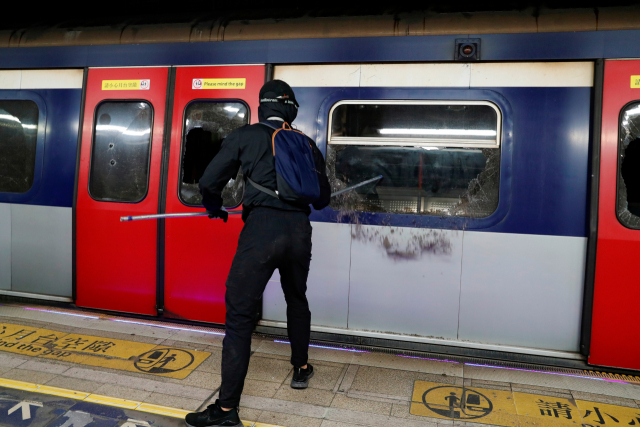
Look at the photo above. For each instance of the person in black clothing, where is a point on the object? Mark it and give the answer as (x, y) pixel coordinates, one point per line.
(275, 235)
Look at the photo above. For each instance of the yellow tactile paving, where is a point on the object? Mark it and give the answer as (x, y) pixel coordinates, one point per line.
(99, 351)
(506, 408)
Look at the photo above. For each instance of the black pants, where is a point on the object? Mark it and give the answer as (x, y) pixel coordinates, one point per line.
(270, 239)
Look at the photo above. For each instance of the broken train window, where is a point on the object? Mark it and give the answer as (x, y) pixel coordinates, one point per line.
(121, 151)
(628, 200)
(206, 124)
(436, 157)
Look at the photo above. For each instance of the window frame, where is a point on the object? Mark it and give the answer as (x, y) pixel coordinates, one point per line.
(412, 142)
(619, 162)
(27, 95)
(93, 140)
(184, 135)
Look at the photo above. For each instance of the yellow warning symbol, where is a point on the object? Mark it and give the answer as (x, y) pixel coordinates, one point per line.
(462, 403)
(99, 351)
(635, 82)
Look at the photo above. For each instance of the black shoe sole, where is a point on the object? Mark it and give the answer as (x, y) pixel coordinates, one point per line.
(301, 384)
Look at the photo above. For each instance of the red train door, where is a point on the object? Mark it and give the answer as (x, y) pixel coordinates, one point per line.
(615, 333)
(209, 103)
(119, 175)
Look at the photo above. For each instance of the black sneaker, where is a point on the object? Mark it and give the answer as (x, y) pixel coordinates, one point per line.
(301, 377)
(214, 416)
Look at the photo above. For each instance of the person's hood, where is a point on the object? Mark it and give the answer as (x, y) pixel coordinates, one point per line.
(286, 112)
(277, 100)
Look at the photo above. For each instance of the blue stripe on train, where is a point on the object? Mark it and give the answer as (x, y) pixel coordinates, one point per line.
(545, 155)
(55, 175)
(495, 47)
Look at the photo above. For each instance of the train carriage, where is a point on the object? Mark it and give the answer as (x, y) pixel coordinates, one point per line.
(506, 221)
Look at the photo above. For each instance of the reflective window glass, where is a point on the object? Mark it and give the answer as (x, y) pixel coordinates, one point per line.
(121, 151)
(459, 177)
(18, 138)
(461, 124)
(206, 124)
(628, 205)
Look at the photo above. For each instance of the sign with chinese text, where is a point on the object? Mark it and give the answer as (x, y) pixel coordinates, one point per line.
(144, 84)
(507, 408)
(99, 351)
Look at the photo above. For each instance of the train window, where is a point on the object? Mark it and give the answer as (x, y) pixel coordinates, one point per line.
(454, 173)
(18, 137)
(206, 124)
(438, 123)
(121, 151)
(628, 204)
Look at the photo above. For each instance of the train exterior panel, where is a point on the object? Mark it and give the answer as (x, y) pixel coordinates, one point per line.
(615, 340)
(119, 174)
(482, 239)
(468, 279)
(36, 218)
(198, 252)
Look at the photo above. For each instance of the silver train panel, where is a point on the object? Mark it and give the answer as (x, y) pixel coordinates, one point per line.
(41, 242)
(328, 283)
(523, 290)
(5, 246)
(405, 280)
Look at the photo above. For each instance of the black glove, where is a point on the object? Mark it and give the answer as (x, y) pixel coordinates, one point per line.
(219, 213)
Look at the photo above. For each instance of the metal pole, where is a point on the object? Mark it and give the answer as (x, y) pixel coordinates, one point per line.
(369, 181)
(172, 215)
(192, 214)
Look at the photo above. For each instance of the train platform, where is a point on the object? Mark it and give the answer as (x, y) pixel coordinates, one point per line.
(63, 367)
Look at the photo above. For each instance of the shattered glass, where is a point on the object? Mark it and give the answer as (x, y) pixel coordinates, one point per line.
(207, 123)
(18, 137)
(120, 153)
(423, 180)
(628, 201)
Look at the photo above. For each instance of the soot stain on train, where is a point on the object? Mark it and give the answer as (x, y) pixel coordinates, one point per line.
(405, 244)
(478, 200)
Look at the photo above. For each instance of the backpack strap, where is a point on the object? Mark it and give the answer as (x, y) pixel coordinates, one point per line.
(269, 125)
(252, 182)
(263, 189)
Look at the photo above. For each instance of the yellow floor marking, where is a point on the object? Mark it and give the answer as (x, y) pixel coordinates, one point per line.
(602, 414)
(107, 400)
(162, 410)
(514, 409)
(62, 392)
(542, 411)
(472, 404)
(99, 351)
(112, 401)
(21, 385)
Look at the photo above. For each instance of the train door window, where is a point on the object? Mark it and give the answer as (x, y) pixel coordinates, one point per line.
(206, 124)
(18, 140)
(436, 158)
(628, 200)
(121, 151)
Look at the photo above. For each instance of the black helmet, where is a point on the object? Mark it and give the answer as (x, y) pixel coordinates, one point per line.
(278, 91)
